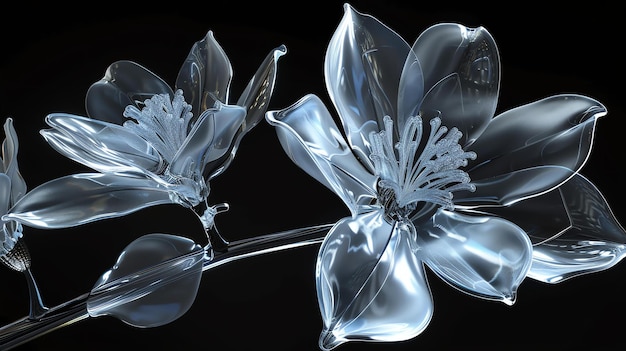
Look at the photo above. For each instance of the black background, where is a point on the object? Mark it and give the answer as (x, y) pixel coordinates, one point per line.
(48, 61)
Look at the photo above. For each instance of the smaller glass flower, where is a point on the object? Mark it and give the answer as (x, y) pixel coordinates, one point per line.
(151, 144)
(13, 250)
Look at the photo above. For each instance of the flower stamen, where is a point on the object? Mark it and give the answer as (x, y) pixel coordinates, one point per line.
(431, 177)
(163, 122)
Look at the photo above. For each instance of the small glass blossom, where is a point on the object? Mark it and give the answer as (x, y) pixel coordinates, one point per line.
(12, 188)
(151, 144)
(13, 250)
(433, 178)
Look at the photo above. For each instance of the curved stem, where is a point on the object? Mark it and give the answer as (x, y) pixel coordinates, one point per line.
(37, 308)
(50, 319)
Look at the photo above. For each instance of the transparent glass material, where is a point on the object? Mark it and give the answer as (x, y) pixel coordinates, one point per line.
(434, 177)
(436, 181)
(150, 144)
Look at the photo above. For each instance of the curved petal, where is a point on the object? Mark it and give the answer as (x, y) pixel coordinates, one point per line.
(124, 83)
(555, 131)
(81, 198)
(105, 147)
(313, 141)
(255, 100)
(5, 195)
(486, 257)
(370, 285)
(461, 76)
(595, 241)
(542, 217)
(363, 65)
(10, 146)
(209, 139)
(205, 76)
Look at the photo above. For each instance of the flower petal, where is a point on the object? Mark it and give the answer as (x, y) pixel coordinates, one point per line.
(105, 147)
(486, 257)
(81, 198)
(542, 217)
(209, 139)
(255, 100)
(10, 147)
(124, 83)
(549, 140)
(461, 68)
(205, 76)
(364, 63)
(370, 285)
(595, 241)
(313, 141)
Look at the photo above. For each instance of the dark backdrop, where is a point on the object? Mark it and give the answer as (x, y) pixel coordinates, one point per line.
(49, 60)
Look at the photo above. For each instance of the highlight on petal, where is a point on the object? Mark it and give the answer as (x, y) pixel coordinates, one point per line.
(209, 139)
(124, 83)
(312, 140)
(487, 257)
(461, 68)
(555, 132)
(102, 146)
(594, 242)
(255, 99)
(370, 284)
(10, 146)
(81, 198)
(205, 76)
(364, 63)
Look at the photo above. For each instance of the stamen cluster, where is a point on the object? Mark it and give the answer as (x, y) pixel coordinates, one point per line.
(428, 173)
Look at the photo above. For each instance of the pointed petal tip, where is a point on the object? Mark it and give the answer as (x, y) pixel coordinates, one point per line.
(328, 341)
(509, 299)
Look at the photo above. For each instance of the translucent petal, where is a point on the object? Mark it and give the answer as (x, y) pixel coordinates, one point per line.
(103, 146)
(209, 139)
(153, 282)
(255, 100)
(205, 76)
(595, 241)
(124, 83)
(486, 257)
(555, 131)
(541, 217)
(5, 194)
(313, 141)
(363, 65)
(10, 147)
(461, 76)
(370, 285)
(81, 198)
(509, 188)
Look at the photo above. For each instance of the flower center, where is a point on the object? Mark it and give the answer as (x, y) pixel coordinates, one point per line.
(162, 122)
(408, 177)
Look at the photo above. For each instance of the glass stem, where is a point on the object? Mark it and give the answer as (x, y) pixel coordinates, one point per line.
(50, 319)
(37, 308)
(206, 214)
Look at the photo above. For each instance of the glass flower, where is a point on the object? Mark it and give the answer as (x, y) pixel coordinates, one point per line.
(434, 178)
(12, 188)
(150, 144)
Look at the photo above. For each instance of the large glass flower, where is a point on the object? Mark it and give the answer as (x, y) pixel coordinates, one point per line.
(151, 144)
(433, 178)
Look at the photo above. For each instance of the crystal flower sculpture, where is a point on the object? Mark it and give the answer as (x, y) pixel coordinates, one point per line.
(150, 144)
(434, 178)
